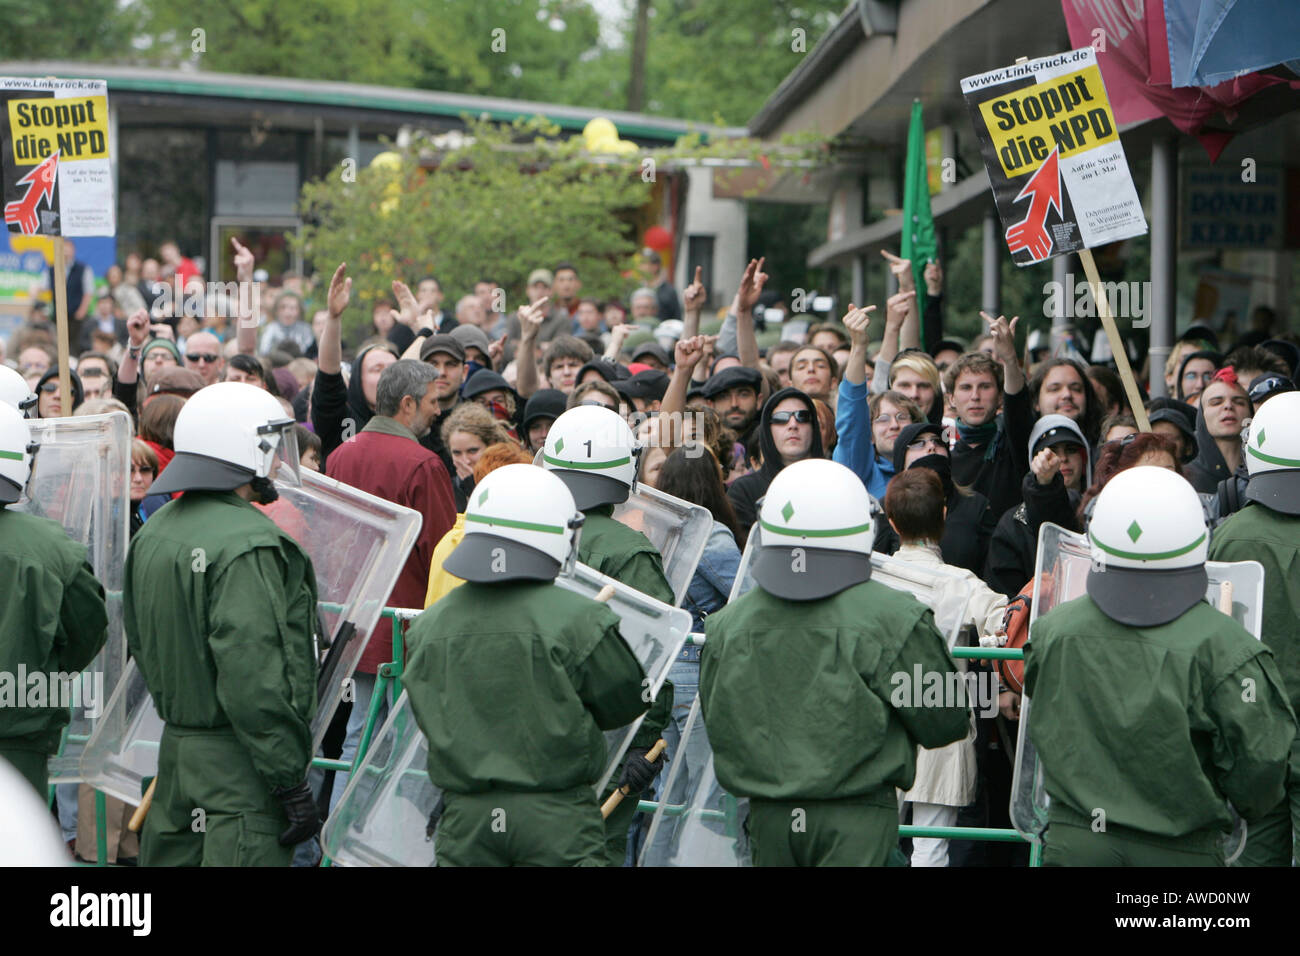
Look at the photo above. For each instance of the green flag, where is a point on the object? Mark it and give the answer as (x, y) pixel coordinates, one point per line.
(918, 227)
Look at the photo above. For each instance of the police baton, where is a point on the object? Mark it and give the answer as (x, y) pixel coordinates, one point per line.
(617, 796)
(142, 811)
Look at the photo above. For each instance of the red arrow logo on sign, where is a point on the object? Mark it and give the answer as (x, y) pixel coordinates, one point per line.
(39, 182)
(1031, 232)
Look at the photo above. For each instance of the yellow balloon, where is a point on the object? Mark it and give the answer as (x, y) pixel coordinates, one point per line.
(599, 133)
(387, 160)
(623, 147)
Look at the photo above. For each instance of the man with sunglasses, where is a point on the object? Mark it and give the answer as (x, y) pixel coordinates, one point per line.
(52, 613)
(203, 356)
(787, 433)
(96, 372)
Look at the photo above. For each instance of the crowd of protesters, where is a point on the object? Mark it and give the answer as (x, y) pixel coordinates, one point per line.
(444, 389)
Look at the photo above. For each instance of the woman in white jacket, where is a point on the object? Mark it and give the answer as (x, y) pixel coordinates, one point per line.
(945, 778)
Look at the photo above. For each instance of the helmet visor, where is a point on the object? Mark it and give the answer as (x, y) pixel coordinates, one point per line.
(281, 449)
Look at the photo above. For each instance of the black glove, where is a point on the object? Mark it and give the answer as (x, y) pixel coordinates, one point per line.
(434, 816)
(638, 773)
(300, 807)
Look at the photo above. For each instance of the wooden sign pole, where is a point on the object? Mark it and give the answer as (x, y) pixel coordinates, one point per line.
(1116, 343)
(61, 318)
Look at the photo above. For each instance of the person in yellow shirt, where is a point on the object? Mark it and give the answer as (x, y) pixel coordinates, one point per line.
(493, 457)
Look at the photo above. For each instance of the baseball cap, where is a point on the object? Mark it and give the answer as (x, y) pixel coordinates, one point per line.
(442, 343)
(541, 275)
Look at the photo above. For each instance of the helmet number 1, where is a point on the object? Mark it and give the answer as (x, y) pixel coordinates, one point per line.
(588, 444)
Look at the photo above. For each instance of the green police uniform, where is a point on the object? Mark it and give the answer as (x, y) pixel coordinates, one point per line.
(1142, 732)
(513, 685)
(52, 620)
(220, 608)
(1258, 533)
(812, 715)
(627, 556)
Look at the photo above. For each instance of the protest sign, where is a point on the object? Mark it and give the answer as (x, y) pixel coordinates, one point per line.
(1050, 142)
(1057, 168)
(54, 152)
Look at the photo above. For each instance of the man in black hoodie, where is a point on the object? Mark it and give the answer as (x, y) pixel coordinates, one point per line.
(49, 403)
(1223, 409)
(339, 411)
(787, 432)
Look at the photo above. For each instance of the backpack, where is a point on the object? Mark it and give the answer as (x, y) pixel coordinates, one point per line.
(1015, 622)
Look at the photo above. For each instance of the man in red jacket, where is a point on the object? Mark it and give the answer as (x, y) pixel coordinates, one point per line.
(387, 460)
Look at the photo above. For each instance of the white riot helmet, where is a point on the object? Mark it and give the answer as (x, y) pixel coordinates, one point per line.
(521, 524)
(594, 452)
(1273, 454)
(17, 454)
(815, 532)
(28, 834)
(1149, 542)
(14, 390)
(227, 435)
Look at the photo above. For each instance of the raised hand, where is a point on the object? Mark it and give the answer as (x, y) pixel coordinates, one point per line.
(340, 291)
(751, 285)
(531, 318)
(1004, 336)
(933, 277)
(1045, 466)
(695, 294)
(496, 350)
(687, 353)
(897, 306)
(137, 327)
(856, 321)
(409, 314)
(902, 270)
(243, 261)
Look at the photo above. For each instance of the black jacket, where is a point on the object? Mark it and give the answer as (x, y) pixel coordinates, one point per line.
(1013, 549)
(996, 469)
(1208, 468)
(747, 491)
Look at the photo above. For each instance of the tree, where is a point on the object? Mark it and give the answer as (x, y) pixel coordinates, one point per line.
(65, 30)
(506, 203)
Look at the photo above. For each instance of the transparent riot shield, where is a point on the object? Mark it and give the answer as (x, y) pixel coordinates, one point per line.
(82, 480)
(946, 593)
(697, 823)
(678, 529)
(1060, 575)
(358, 544)
(380, 819)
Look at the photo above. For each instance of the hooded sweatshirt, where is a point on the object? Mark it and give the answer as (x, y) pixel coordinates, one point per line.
(1013, 549)
(968, 524)
(1208, 468)
(747, 492)
(333, 403)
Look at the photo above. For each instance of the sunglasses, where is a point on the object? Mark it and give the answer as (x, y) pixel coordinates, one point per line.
(92, 373)
(50, 386)
(803, 417)
(208, 357)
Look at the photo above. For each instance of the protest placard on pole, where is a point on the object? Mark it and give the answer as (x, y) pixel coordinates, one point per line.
(1057, 167)
(57, 176)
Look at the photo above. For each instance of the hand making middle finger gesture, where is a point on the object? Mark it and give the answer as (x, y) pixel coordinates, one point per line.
(531, 317)
(243, 261)
(1004, 336)
(695, 293)
(856, 321)
(902, 270)
(751, 284)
